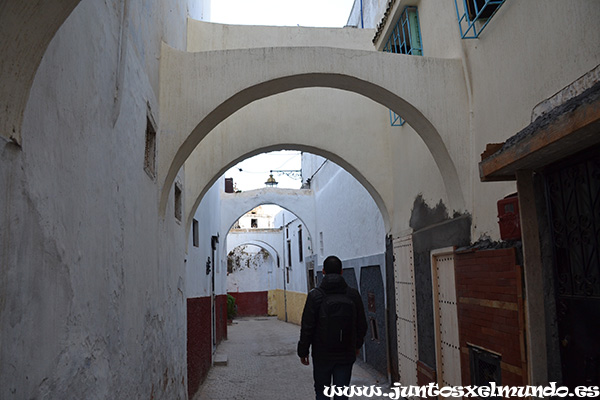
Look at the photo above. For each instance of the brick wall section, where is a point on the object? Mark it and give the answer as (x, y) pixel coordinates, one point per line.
(425, 376)
(199, 347)
(490, 310)
(250, 304)
(221, 317)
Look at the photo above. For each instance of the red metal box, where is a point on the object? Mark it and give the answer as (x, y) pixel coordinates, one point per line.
(508, 218)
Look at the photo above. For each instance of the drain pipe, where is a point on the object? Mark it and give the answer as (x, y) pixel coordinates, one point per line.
(362, 21)
(284, 295)
(284, 271)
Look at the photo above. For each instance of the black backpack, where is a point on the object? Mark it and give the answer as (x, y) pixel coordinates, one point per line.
(337, 322)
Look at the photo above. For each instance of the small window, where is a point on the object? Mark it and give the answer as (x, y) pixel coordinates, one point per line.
(300, 243)
(289, 253)
(195, 235)
(253, 223)
(178, 202)
(374, 332)
(406, 35)
(150, 150)
(405, 39)
(474, 15)
(485, 367)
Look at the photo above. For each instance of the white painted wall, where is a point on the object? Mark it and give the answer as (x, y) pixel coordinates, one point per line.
(92, 280)
(258, 276)
(199, 9)
(208, 216)
(349, 224)
(509, 69)
(291, 232)
(262, 219)
(204, 36)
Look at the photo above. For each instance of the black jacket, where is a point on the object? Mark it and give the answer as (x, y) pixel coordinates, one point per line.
(332, 283)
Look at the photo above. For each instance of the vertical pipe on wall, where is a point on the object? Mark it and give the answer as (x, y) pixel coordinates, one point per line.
(284, 271)
(362, 21)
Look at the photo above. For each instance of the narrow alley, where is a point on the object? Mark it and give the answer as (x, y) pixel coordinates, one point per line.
(262, 364)
(163, 170)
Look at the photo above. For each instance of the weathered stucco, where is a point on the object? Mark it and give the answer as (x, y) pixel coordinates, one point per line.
(95, 268)
(92, 279)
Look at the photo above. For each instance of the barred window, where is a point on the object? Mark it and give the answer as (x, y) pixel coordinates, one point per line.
(474, 15)
(405, 39)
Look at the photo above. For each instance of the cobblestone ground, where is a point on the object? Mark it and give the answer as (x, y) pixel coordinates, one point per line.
(262, 364)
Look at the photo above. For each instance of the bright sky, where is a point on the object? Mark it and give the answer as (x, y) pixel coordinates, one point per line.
(315, 13)
(255, 170)
(323, 13)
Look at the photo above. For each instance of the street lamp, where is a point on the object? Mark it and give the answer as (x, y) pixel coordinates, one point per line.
(271, 182)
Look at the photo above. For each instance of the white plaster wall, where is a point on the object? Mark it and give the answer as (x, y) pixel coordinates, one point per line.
(348, 220)
(415, 174)
(199, 9)
(297, 271)
(529, 51)
(263, 220)
(208, 216)
(258, 276)
(206, 36)
(92, 282)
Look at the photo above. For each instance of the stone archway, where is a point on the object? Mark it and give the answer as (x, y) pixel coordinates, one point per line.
(200, 90)
(297, 201)
(259, 243)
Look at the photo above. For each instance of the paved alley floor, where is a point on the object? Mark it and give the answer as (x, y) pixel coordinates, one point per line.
(262, 364)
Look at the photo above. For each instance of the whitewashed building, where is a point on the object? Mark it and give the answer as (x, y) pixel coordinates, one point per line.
(112, 143)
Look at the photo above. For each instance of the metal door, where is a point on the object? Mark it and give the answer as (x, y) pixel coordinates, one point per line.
(445, 318)
(573, 198)
(406, 321)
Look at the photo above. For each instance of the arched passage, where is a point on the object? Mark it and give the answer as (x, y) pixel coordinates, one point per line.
(259, 243)
(295, 201)
(426, 85)
(298, 202)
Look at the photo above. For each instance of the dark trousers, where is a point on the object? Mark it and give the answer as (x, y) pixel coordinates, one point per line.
(325, 372)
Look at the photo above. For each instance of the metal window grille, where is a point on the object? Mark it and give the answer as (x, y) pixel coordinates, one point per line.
(485, 367)
(474, 15)
(405, 39)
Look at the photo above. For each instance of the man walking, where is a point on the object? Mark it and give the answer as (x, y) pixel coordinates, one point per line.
(334, 324)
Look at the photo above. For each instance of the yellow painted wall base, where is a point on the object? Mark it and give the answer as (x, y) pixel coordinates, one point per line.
(272, 302)
(295, 305)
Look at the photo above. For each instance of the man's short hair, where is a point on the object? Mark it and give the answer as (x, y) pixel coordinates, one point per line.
(332, 265)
